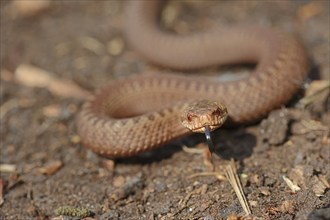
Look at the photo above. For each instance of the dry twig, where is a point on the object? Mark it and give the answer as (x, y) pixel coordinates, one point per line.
(231, 174)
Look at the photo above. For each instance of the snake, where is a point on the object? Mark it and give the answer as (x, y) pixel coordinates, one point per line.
(140, 112)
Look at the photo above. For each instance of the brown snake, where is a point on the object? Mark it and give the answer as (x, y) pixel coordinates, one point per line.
(139, 113)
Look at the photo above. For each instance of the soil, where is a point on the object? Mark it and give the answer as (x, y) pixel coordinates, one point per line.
(44, 168)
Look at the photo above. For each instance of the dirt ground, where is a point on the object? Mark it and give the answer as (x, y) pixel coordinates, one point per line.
(44, 168)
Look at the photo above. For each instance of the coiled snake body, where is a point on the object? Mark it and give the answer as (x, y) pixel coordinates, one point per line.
(140, 113)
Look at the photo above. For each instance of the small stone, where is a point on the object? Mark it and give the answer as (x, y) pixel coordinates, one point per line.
(318, 186)
(112, 214)
(274, 129)
(160, 187)
(116, 46)
(75, 139)
(51, 111)
(253, 203)
(129, 187)
(208, 217)
(287, 206)
(118, 181)
(301, 175)
(108, 164)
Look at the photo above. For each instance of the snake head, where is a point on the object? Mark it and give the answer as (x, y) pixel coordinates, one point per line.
(204, 113)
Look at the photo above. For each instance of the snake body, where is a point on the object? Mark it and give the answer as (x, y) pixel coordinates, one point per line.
(139, 113)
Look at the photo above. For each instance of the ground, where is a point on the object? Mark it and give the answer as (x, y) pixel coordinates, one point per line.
(44, 167)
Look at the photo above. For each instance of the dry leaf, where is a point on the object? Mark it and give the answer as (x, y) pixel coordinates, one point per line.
(26, 8)
(32, 76)
(294, 188)
(67, 89)
(308, 11)
(7, 168)
(51, 167)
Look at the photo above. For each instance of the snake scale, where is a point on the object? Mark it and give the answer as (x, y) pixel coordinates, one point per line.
(141, 112)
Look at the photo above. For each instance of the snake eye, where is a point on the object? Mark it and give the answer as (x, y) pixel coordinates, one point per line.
(189, 117)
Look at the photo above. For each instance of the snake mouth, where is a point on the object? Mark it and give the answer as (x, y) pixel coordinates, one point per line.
(198, 125)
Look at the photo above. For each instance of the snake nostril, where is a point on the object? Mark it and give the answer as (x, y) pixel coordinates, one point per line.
(216, 112)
